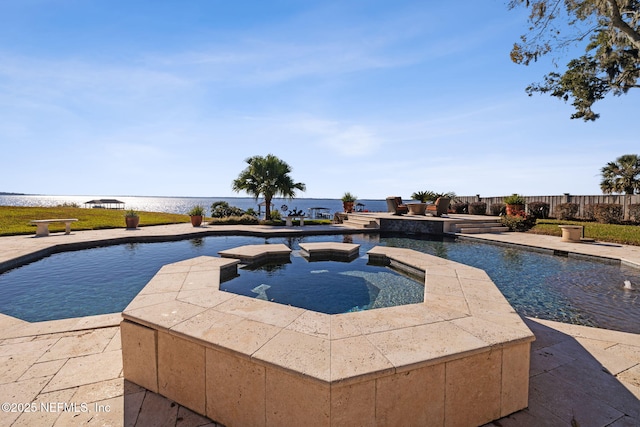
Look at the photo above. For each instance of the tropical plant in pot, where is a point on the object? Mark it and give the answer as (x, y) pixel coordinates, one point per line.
(197, 215)
(515, 204)
(348, 200)
(424, 196)
(131, 218)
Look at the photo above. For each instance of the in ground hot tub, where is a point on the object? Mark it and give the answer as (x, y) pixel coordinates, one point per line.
(461, 357)
(328, 278)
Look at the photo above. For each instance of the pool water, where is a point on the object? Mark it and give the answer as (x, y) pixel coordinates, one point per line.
(329, 287)
(98, 280)
(570, 290)
(105, 279)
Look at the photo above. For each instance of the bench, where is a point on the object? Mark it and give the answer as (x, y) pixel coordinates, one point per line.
(290, 219)
(43, 225)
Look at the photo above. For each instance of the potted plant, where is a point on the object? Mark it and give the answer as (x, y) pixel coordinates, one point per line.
(424, 196)
(131, 218)
(515, 204)
(348, 200)
(197, 215)
(419, 208)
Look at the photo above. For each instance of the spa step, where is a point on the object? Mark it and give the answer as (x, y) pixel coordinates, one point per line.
(478, 225)
(355, 221)
(475, 227)
(360, 224)
(476, 230)
(488, 223)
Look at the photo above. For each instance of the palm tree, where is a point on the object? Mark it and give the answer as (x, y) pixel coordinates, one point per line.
(267, 176)
(622, 176)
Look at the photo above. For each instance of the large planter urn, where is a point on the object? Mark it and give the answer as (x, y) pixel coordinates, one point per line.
(132, 221)
(348, 200)
(196, 220)
(515, 210)
(348, 206)
(417, 208)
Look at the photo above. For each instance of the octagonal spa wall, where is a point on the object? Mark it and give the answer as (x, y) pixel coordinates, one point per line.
(461, 358)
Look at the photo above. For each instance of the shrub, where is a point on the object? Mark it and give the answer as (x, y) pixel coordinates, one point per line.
(478, 208)
(588, 213)
(497, 208)
(197, 210)
(608, 213)
(566, 210)
(424, 196)
(221, 209)
(461, 207)
(539, 209)
(634, 212)
(348, 197)
(275, 215)
(247, 219)
(518, 223)
(515, 199)
(233, 220)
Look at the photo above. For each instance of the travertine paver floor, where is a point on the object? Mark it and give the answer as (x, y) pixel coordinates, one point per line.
(580, 376)
(74, 378)
(577, 373)
(587, 376)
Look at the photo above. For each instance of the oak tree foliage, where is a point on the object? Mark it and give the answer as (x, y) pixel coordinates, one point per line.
(609, 31)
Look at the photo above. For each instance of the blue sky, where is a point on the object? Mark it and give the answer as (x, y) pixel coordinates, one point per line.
(377, 98)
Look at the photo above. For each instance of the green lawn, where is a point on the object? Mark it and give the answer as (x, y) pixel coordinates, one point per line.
(615, 233)
(15, 220)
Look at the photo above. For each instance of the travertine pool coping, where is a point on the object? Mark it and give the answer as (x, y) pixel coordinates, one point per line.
(329, 250)
(461, 357)
(250, 254)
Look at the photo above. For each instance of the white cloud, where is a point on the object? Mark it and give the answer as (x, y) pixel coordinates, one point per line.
(353, 141)
(344, 139)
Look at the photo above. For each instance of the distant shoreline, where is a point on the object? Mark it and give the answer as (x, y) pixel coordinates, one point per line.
(3, 193)
(182, 205)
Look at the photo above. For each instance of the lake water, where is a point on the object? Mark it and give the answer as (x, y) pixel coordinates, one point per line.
(182, 205)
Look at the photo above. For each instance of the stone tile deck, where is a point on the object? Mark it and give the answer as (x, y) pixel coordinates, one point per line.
(578, 374)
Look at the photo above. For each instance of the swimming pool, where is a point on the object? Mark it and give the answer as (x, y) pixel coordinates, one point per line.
(105, 279)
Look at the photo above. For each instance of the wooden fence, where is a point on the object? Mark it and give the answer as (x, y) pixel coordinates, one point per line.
(553, 201)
